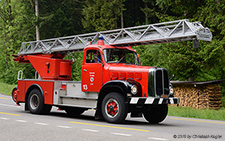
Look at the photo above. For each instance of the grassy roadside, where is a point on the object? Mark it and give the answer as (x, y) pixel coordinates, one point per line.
(6, 88)
(197, 113)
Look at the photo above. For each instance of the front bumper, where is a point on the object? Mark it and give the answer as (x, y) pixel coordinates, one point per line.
(153, 100)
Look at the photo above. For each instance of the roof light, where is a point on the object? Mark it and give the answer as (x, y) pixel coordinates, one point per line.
(100, 38)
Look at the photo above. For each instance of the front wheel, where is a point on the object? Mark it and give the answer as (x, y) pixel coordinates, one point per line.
(36, 104)
(114, 108)
(156, 114)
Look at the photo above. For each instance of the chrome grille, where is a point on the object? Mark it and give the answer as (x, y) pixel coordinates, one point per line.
(158, 82)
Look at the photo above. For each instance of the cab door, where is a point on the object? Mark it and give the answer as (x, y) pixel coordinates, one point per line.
(91, 71)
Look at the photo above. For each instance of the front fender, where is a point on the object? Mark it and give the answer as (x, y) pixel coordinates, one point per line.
(121, 86)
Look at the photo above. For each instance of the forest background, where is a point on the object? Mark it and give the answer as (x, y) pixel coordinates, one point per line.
(58, 18)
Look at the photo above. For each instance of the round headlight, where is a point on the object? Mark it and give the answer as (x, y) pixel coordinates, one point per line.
(134, 89)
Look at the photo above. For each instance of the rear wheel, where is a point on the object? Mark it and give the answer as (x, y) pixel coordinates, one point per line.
(14, 94)
(36, 104)
(156, 114)
(113, 108)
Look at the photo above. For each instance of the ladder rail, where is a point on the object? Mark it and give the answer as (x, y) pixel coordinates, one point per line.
(173, 31)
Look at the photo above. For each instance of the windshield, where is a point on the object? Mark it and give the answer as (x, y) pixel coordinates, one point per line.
(120, 56)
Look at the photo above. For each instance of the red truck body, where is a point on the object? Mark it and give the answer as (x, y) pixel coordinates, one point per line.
(103, 75)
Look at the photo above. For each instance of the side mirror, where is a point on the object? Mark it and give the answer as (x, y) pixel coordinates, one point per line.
(172, 77)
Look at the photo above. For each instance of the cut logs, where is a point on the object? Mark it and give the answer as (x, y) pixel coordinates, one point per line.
(198, 95)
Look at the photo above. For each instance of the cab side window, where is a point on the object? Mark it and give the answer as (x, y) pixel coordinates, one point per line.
(93, 56)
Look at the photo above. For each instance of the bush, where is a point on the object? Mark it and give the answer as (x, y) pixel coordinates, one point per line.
(223, 101)
(9, 76)
(6, 88)
(223, 93)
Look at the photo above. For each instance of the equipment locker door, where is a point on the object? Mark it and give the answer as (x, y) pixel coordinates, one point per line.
(91, 72)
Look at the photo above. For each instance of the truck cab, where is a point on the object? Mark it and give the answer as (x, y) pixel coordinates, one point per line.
(104, 63)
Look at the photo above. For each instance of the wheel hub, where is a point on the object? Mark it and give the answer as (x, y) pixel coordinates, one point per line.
(34, 102)
(112, 108)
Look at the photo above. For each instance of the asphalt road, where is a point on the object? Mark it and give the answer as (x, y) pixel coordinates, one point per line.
(17, 124)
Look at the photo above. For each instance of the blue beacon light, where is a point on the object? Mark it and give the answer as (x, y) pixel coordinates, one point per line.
(100, 38)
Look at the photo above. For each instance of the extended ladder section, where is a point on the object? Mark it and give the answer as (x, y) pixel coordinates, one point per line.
(174, 31)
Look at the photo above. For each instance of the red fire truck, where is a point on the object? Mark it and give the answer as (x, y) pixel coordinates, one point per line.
(112, 80)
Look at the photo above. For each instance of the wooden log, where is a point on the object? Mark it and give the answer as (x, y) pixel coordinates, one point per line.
(203, 96)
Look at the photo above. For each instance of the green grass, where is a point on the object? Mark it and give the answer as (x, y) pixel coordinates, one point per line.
(6, 88)
(197, 113)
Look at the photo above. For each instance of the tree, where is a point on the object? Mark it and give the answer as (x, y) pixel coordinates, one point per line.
(150, 9)
(70, 17)
(13, 32)
(186, 62)
(37, 25)
(101, 14)
(60, 18)
(6, 16)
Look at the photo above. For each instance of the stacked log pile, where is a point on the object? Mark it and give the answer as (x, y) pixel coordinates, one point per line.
(198, 96)
(214, 96)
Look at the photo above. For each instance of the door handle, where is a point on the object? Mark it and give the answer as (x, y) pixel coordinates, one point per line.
(84, 70)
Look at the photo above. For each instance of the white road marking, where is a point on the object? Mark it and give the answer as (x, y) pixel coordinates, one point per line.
(4, 118)
(21, 120)
(39, 123)
(121, 134)
(159, 139)
(90, 130)
(6, 105)
(67, 127)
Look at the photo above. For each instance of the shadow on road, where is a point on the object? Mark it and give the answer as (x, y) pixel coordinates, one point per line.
(128, 121)
(89, 116)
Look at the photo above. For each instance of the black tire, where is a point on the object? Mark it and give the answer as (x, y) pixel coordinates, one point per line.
(14, 94)
(74, 111)
(35, 103)
(156, 114)
(114, 109)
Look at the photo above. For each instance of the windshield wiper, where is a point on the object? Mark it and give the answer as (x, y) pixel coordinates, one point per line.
(120, 59)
